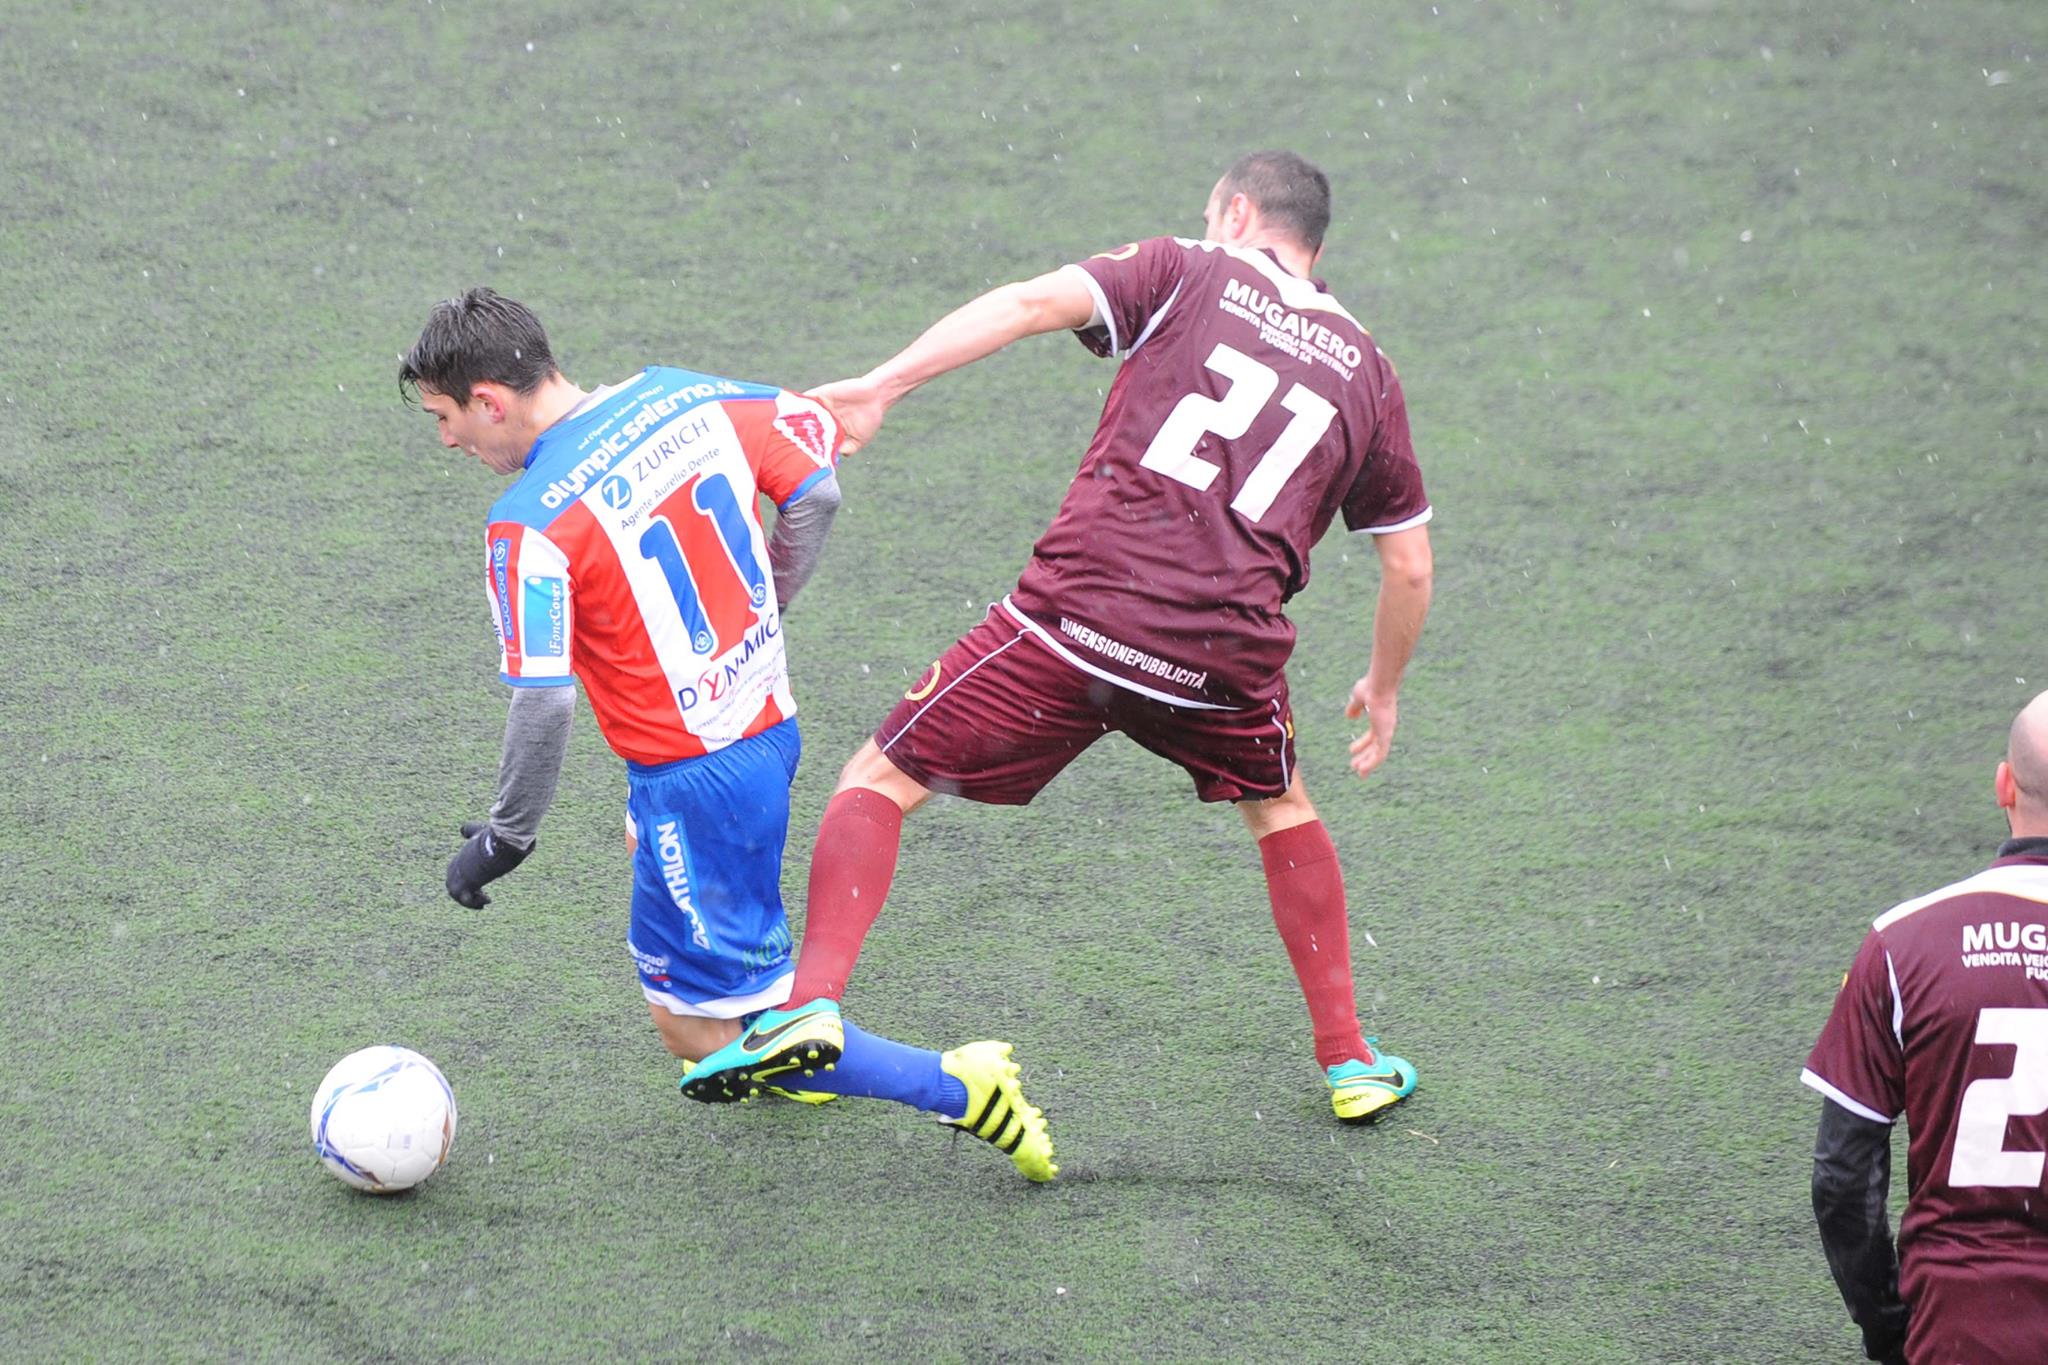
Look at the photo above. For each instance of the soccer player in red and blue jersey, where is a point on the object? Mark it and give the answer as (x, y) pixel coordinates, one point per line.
(1251, 410)
(629, 554)
(1943, 1021)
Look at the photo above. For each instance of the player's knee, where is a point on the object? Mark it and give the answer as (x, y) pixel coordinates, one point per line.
(1292, 807)
(863, 768)
(870, 770)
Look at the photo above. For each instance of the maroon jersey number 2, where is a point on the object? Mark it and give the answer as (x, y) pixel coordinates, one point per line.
(1252, 382)
(1980, 1156)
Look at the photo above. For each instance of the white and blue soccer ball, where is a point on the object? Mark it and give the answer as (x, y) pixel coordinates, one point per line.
(383, 1119)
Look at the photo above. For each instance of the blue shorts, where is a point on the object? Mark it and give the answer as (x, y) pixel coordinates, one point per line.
(708, 931)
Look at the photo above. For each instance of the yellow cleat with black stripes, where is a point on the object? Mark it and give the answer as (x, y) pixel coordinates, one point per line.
(997, 1111)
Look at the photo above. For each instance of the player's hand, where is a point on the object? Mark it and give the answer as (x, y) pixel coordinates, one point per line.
(857, 406)
(1369, 750)
(482, 858)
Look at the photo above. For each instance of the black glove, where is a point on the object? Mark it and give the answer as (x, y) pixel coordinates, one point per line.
(482, 858)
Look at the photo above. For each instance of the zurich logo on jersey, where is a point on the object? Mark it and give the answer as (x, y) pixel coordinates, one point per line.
(617, 492)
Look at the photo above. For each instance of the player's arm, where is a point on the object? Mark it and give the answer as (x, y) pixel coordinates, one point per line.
(801, 526)
(1407, 572)
(526, 578)
(1056, 301)
(1852, 1162)
(529, 768)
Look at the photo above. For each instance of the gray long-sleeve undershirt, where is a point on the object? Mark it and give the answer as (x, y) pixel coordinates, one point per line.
(799, 537)
(537, 724)
(536, 737)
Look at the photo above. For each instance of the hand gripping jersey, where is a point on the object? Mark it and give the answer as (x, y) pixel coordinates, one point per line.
(1943, 1019)
(1249, 410)
(630, 554)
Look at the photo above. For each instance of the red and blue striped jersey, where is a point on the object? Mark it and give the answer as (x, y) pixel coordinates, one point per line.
(630, 555)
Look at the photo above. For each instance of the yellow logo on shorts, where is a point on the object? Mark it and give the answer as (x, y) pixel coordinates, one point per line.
(924, 687)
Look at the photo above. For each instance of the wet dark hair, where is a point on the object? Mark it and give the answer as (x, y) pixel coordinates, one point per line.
(1290, 192)
(481, 337)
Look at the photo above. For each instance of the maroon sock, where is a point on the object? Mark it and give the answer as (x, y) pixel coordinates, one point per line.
(851, 868)
(1306, 886)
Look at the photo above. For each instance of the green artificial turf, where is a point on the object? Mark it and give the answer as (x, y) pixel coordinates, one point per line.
(1720, 323)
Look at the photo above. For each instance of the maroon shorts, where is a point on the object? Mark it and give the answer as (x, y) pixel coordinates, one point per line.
(999, 714)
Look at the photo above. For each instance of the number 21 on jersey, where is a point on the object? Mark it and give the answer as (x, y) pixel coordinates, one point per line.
(1252, 383)
(1980, 1156)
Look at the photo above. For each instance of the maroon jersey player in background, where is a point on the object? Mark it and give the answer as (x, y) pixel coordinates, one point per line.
(1249, 412)
(1944, 1019)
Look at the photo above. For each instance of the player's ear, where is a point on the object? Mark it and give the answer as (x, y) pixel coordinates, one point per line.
(490, 399)
(2006, 787)
(1240, 213)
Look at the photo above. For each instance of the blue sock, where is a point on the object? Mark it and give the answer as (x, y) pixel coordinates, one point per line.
(881, 1069)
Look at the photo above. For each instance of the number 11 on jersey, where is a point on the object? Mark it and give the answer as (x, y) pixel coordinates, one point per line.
(732, 534)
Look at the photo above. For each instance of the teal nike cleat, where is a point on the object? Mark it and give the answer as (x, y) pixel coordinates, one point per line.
(1361, 1091)
(800, 1096)
(779, 1044)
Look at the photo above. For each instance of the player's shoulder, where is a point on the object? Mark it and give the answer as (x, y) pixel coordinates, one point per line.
(697, 386)
(2002, 887)
(522, 505)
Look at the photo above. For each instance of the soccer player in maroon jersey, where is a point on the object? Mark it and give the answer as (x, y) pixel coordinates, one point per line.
(1943, 1019)
(1249, 412)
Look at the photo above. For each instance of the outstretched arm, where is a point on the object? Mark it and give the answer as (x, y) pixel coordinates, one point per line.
(1406, 573)
(1049, 303)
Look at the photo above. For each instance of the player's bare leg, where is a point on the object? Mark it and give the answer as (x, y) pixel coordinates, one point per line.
(870, 770)
(1305, 884)
(692, 1037)
(1292, 807)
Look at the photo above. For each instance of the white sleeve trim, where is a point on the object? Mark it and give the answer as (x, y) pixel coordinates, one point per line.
(1418, 519)
(1102, 316)
(1898, 1001)
(1157, 317)
(2028, 881)
(1807, 1077)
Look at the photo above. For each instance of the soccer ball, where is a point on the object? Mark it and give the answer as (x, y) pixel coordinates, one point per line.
(383, 1119)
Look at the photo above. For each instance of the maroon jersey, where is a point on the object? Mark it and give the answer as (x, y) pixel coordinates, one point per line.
(1944, 1019)
(1250, 408)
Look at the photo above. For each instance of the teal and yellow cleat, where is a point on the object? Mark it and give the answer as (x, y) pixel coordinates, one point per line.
(800, 1096)
(997, 1111)
(1362, 1091)
(779, 1043)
